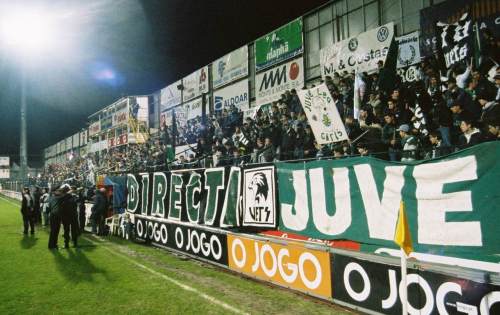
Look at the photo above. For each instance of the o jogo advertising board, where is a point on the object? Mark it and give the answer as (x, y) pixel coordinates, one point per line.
(290, 265)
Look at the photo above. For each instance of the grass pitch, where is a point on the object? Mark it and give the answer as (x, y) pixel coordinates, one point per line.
(111, 275)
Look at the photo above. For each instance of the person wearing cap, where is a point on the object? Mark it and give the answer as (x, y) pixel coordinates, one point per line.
(28, 211)
(409, 143)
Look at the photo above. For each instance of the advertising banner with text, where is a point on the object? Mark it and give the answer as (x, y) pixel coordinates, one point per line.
(231, 67)
(195, 84)
(170, 96)
(235, 94)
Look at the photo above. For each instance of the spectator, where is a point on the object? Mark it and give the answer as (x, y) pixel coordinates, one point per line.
(470, 135)
(409, 143)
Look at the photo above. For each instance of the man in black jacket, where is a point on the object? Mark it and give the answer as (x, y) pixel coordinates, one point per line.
(99, 212)
(57, 204)
(70, 217)
(27, 210)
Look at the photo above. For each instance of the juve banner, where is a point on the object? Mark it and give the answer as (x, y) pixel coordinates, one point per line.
(231, 67)
(259, 197)
(456, 40)
(279, 45)
(235, 94)
(451, 202)
(200, 242)
(408, 50)
(170, 96)
(272, 83)
(322, 115)
(195, 84)
(361, 52)
(377, 287)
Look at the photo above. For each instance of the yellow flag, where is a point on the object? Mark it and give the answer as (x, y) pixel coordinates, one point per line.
(402, 237)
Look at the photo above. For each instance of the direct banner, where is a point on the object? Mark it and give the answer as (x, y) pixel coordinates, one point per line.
(231, 67)
(170, 96)
(361, 52)
(377, 287)
(195, 84)
(290, 265)
(279, 45)
(259, 197)
(196, 241)
(232, 95)
(269, 85)
(322, 115)
(408, 50)
(448, 201)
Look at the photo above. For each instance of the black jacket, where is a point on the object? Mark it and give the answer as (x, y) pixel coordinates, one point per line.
(27, 206)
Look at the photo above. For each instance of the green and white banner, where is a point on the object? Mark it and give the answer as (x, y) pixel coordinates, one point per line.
(361, 52)
(322, 115)
(451, 202)
(231, 67)
(279, 45)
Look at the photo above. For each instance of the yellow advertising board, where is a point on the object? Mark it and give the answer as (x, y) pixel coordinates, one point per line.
(290, 265)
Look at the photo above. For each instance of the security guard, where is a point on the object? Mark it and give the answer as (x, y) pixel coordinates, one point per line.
(70, 216)
(28, 211)
(56, 204)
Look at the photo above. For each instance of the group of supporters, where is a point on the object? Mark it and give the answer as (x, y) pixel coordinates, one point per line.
(63, 205)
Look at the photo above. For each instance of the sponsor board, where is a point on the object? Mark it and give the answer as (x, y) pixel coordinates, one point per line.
(94, 128)
(170, 96)
(120, 117)
(322, 115)
(377, 287)
(259, 197)
(231, 67)
(279, 45)
(4, 161)
(448, 201)
(195, 241)
(343, 244)
(290, 265)
(235, 94)
(360, 53)
(195, 84)
(5, 173)
(408, 50)
(193, 109)
(272, 83)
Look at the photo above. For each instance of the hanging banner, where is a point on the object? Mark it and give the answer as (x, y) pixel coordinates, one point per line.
(279, 45)
(322, 115)
(231, 67)
(4, 161)
(448, 201)
(83, 137)
(120, 117)
(456, 40)
(290, 265)
(377, 287)
(94, 128)
(170, 96)
(195, 241)
(410, 74)
(269, 85)
(485, 12)
(4, 173)
(408, 50)
(193, 109)
(195, 84)
(259, 197)
(361, 52)
(235, 94)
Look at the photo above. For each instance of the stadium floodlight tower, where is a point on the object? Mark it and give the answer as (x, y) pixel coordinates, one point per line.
(26, 31)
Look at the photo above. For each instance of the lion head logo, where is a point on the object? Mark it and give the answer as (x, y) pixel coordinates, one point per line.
(259, 187)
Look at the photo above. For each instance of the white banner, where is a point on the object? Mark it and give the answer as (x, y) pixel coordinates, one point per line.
(170, 96)
(259, 197)
(83, 137)
(94, 128)
(234, 94)
(143, 110)
(193, 109)
(361, 52)
(195, 84)
(76, 140)
(5, 173)
(269, 85)
(181, 116)
(69, 143)
(120, 116)
(322, 115)
(166, 117)
(408, 50)
(230, 67)
(4, 161)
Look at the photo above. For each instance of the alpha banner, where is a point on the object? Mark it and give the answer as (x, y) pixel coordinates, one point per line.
(279, 45)
(361, 52)
(231, 67)
(259, 197)
(170, 96)
(322, 115)
(450, 202)
(195, 84)
(235, 94)
(456, 40)
(272, 83)
(290, 265)
(377, 287)
(196, 241)
(408, 50)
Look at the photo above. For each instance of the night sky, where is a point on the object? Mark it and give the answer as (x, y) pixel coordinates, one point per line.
(122, 48)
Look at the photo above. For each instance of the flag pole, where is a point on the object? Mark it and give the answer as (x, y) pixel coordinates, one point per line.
(404, 292)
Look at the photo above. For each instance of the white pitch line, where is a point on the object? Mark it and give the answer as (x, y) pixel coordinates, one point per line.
(176, 282)
(7, 200)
